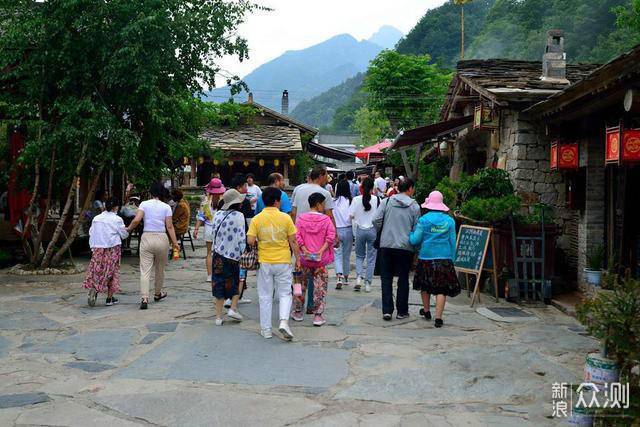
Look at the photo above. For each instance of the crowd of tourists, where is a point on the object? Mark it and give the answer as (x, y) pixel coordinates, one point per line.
(291, 242)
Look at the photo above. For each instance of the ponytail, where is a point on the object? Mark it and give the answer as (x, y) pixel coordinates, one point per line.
(367, 187)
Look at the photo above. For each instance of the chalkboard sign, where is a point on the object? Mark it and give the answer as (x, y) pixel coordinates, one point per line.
(471, 248)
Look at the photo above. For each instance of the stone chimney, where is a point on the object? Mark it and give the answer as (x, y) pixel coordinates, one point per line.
(285, 102)
(554, 60)
(250, 97)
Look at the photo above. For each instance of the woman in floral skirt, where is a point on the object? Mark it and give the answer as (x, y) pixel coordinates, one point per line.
(435, 274)
(105, 237)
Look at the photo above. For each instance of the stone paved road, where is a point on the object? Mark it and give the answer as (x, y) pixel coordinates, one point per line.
(65, 364)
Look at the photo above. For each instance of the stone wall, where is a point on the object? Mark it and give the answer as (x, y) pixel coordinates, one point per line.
(524, 151)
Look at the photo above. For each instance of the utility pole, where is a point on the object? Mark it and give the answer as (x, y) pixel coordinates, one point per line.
(462, 3)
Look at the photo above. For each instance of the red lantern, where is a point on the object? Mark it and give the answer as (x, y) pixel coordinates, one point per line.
(565, 156)
(612, 150)
(622, 145)
(631, 145)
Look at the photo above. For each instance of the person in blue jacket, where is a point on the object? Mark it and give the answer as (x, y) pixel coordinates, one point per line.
(435, 274)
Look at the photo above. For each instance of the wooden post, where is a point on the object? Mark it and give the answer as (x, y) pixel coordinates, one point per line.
(285, 172)
(462, 31)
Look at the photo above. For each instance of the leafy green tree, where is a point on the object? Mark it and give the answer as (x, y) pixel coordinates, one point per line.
(105, 84)
(372, 126)
(407, 89)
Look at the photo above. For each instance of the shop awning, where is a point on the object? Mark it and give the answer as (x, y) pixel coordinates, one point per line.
(328, 152)
(429, 133)
(374, 152)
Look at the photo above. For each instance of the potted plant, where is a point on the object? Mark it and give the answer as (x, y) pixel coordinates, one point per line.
(614, 318)
(593, 272)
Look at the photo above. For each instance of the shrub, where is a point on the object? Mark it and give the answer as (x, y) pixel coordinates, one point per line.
(614, 318)
(492, 209)
(595, 258)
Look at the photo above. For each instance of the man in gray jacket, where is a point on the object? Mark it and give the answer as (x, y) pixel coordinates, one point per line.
(397, 217)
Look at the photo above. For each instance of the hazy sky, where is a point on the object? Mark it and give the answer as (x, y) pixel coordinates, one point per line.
(297, 24)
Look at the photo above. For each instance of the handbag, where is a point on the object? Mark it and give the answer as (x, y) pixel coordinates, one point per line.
(249, 259)
(376, 243)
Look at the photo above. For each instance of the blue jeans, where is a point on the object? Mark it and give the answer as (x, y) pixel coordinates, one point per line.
(365, 250)
(343, 252)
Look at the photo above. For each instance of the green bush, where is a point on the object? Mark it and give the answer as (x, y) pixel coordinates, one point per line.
(614, 318)
(487, 183)
(429, 174)
(491, 209)
(595, 258)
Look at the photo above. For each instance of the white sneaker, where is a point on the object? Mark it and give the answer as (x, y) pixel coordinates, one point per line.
(244, 301)
(266, 333)
(235, 315)
(219, 322)
(285, 331)
(358, 285)
(227, 303)
(367, 287)
(208, 278)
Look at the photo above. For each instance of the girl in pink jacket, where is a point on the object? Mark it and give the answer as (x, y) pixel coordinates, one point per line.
(316, 235)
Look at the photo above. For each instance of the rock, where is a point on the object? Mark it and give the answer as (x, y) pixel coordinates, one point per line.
(71, 414)
(89, 366)
(22, 399)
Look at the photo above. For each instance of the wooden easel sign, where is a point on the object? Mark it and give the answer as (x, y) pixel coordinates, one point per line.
(471, 255)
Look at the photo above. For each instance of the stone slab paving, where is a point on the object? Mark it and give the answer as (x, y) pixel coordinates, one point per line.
(63, 363)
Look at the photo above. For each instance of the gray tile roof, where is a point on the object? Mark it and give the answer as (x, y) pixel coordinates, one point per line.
(255, 138)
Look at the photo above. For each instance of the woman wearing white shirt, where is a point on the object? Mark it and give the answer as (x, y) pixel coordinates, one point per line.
(363, 210)
(154, 243)
(345, 232)
(105, 237)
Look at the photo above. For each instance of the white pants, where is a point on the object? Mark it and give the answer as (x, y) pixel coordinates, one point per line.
(270, 276)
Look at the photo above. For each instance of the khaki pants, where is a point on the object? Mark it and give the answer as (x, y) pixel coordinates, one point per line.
(154, 251)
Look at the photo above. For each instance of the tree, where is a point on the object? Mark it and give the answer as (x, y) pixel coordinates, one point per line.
(628, 18)
(109, 84)
(406, 89)
(371, 125)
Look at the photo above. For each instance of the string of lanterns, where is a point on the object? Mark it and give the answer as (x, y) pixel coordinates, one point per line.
(245, 163)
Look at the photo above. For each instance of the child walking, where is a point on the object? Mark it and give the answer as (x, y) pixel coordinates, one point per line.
(316, 235)
(105, 237)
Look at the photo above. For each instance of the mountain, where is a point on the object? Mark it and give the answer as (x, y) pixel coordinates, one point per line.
(438, 31)
(517, 30)
(319, 111)
(386, 37)
(308, 72)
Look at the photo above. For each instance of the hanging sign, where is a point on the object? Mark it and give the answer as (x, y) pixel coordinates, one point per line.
(612, 151)
(631, 145)
(484, 118)
(622, 145)
(564, 156)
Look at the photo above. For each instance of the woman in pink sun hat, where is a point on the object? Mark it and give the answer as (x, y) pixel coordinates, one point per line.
(214, 191)
(435, 274)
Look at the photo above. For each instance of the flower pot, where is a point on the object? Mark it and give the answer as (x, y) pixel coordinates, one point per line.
(599, 369)
(593, 276)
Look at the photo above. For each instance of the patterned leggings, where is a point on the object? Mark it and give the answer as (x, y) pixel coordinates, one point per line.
(320, 279)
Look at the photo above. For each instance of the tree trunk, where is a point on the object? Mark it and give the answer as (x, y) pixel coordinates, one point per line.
(30, 216)
(81, 219)
(38, 226)
(46, 261)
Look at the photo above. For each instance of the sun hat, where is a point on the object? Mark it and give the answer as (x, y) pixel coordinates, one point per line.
(232, 197)
(435, 202)
(215, 187)
(426, 202)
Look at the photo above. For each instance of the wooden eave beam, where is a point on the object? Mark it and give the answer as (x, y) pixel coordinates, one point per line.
(482, 91)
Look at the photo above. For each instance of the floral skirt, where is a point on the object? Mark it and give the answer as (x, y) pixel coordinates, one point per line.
(103, 273)
(437, 277)
(225, 277)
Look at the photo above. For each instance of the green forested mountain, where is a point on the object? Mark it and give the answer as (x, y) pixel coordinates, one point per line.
(438, 31)
(319, 111)
(516, 29)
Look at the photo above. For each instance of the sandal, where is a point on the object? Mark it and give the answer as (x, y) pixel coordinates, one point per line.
(144, 303)
(161, 295)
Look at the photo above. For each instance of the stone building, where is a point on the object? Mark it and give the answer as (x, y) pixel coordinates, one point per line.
(601, 190)
(485, 124)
